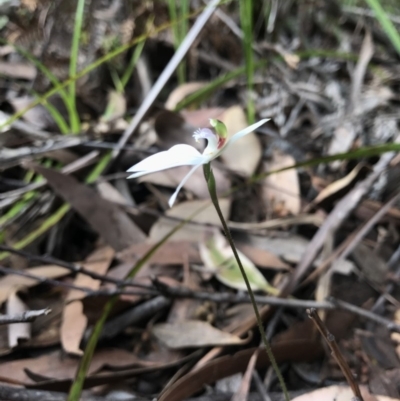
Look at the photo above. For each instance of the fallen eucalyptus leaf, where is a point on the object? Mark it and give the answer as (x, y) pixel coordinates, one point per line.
(218, 256)
(193, 333)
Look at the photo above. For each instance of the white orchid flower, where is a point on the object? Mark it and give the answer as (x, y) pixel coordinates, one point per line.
(186, 155)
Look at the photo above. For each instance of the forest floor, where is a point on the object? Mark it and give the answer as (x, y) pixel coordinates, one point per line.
(109, 293)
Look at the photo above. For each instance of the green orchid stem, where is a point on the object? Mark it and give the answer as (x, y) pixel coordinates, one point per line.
(209, 176)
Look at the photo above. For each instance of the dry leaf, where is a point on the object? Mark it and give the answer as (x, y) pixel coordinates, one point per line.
(57, 365)
(18, 331)
(182, 91)
(190, 232)
(243, 391)
(344, 136)
(110, 193)
(18, 70)
(108, 219)
(282, 190)
(12, 283)
(218, 257)
(244, 155)
(37, 116)
(193, 333)
(263, 258)
(372, 265)
(171, 253)
(73, 327)
(98, 262)
(73, 319)
(116, 107)
(338, 185)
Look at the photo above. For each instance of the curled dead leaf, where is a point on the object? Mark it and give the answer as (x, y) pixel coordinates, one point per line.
(193, 333)
(282, 190)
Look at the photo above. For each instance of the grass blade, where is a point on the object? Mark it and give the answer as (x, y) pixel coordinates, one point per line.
(246, 20)
(73, 63)
(386, 23)
(101, 60)
(56, 217)
(77, 385)
(132, 63)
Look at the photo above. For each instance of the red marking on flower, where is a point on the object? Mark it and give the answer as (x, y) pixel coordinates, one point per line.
(221, 142)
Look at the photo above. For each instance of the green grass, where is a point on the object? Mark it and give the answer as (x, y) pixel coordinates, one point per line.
(178, 13)
(246, 21)
(77, 386)
(386, 24)
(73, 64)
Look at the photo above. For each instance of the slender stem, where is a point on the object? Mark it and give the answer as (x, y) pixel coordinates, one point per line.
(73, 64)
(214, 198)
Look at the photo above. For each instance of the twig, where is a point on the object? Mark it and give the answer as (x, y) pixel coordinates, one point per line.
(389, 324)
(12, 157)
(70, 168)
(337, 216)
(133, 316)
(330, 339)
(393, 262)
(88, 291)
(28, 316)
(368, 226)
(165, 75)
(220, 297)
(73, 267)
(225, 297)
(351, 242)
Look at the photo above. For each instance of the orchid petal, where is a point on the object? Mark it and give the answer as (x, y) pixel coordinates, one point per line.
(212, 140)
(246, 131)
(178, 155)
(172, 199)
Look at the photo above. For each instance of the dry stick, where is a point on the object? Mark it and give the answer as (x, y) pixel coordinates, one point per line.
(27, 316)
(86, 290)
(390, 325)
(368, 226)
(73, 267)
(325, 264)
(394, 260)
(182, 292)
(339, 213)
(70, 168)
(221, 297)
(165, 75)
(330, 339)
(29, 153)
(348, 246)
